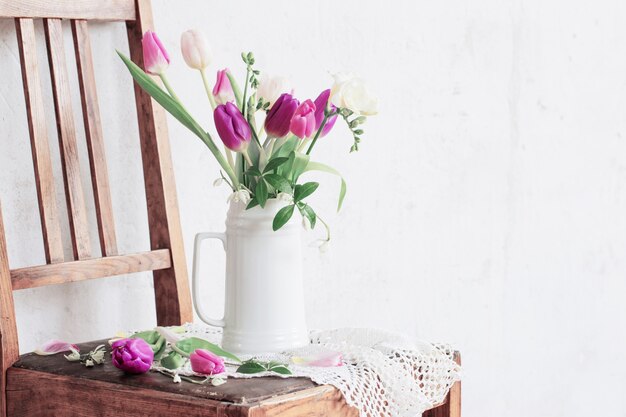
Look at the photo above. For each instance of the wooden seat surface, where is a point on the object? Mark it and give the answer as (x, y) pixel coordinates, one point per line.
(236, 390)
(52, 386)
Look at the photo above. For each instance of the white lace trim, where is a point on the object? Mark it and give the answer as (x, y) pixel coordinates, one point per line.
(384, 374)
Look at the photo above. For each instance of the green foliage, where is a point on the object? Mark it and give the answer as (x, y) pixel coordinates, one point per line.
(253, 366)
(282, 217)
(154, 339)
(191, 344)
(309, 213)
(353, 125)
(172, 361)
(303, 191)
(317, 166)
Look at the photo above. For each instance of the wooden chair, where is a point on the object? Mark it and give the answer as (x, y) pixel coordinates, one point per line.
(31, 385)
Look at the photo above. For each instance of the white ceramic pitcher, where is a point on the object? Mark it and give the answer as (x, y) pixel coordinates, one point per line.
(264, 309)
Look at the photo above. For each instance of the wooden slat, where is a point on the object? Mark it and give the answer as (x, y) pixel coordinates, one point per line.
(69, 9)
(9, 352)
(95, 142)
(173, 300)
(39, 276)
(67, 140)
(53, 244)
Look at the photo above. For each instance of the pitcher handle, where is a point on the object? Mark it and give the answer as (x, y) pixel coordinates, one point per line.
(196, 271)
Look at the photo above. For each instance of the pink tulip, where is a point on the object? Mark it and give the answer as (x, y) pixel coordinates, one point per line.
(303, 121)
(206, 363)
(155, 57)
(223, 91)
(55, 346)
(320, 106)
(321, 359)
(133, 356)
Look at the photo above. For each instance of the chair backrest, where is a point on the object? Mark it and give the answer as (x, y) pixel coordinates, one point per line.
(166, 259)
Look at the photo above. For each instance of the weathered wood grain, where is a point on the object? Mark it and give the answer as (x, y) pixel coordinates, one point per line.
(39, 276)
(69, 9)
(44, 180)
(321, 401)
(39, 394)
(77, 213)
(171, 287)
(95, 140)
(9, 350)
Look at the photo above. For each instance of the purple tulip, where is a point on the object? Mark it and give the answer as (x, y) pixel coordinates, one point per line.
(320, 105)
(303, 121)
(279, 117)
(133, 356)
(206, 363)
(155, 57)
(233, 129)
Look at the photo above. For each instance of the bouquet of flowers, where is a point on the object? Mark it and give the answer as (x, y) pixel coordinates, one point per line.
(268, 134)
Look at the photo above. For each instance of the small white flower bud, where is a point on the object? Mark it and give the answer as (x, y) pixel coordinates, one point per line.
(218, 182)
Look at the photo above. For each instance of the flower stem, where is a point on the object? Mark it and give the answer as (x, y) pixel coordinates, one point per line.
(247, 157)
(168, 87)
(245, 92)
(326, 227)
(303, 144)
(209, 93)
(319, 132)
(271, 147)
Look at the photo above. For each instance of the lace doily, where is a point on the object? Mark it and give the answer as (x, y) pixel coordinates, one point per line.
(384, 374)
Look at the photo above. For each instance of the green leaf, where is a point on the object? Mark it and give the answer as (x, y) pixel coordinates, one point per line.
(279, 183)
(252, 171)
(286, 146)
(150, 336)
(172, 361)
(252, 203)
(177, 110)
(260, 192)
(251, 367)
(154, 339)
(275, 163)
(309, 213)
(299, 165)
(191, 344)
(282, 217)
(283, 370)
(303, 191)
(317, 166)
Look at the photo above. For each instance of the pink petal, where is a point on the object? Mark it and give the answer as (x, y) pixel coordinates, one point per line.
(55, 346)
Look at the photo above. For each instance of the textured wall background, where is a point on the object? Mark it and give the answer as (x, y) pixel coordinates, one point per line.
(486, 207)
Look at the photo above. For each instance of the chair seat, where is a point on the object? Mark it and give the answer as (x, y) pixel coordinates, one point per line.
(52, 386)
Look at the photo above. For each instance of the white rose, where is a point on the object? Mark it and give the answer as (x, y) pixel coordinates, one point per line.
(350, 92)
(270, 88)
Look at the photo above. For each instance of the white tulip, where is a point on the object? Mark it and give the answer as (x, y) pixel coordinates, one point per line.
(270, 88)
(350, 92)
(196, 50)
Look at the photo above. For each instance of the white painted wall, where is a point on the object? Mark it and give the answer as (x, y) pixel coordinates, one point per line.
(486, 208)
